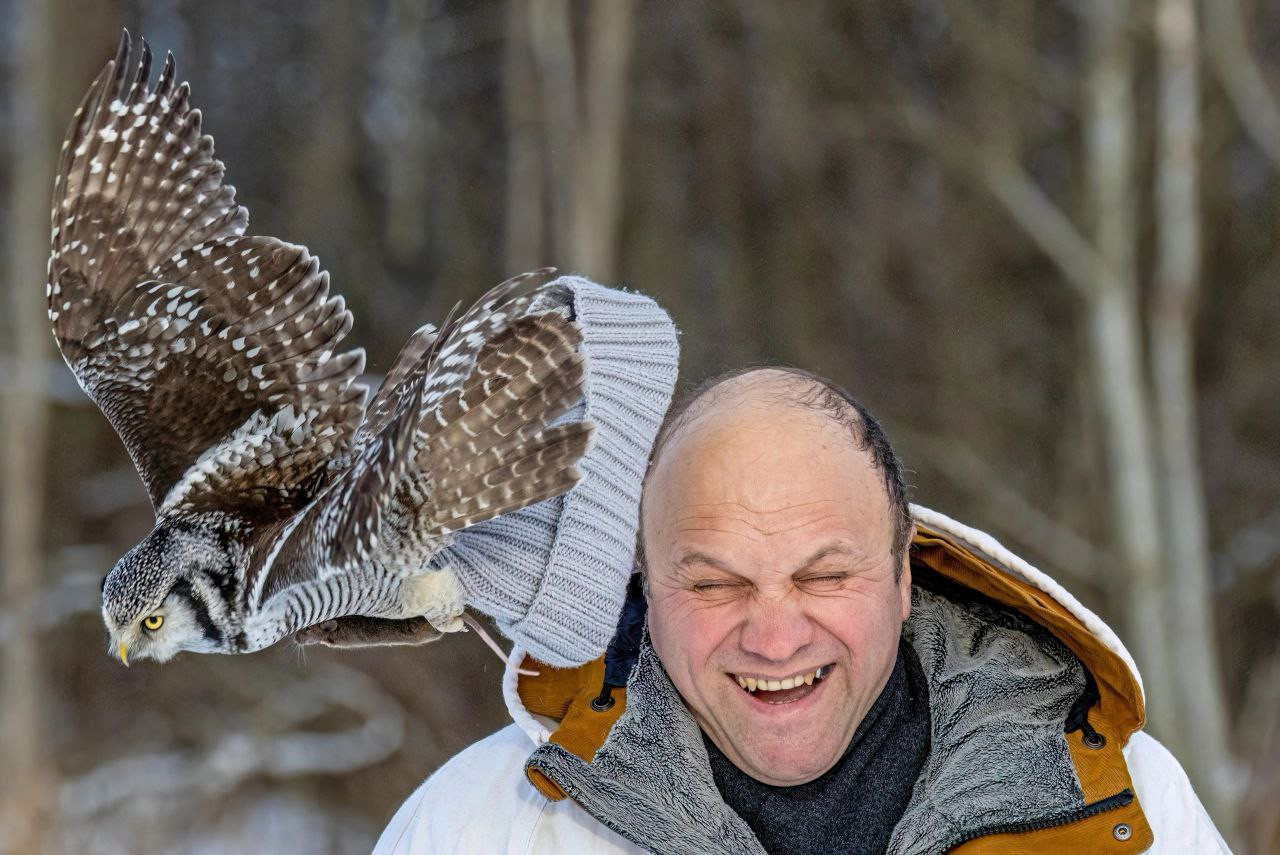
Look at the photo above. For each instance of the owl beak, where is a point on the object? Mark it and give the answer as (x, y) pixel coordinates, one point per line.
(124, 654)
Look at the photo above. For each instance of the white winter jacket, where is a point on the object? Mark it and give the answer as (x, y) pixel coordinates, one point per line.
(1082, 777)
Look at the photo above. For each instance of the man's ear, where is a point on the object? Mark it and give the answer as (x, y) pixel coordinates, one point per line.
(904, 579)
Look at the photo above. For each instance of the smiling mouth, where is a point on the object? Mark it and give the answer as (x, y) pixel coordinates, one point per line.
(786, 690)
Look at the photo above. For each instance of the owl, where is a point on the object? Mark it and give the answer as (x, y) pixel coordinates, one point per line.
(282, 499)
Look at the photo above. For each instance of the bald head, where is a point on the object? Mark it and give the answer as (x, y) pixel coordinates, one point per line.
(774, 530)
(754, 392)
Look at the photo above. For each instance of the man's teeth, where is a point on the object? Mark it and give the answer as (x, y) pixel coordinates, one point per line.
(751, 684)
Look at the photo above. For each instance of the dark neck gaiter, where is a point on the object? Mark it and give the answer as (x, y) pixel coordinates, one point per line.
(854, 807)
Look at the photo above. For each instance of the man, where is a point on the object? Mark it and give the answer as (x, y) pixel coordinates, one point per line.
(823, 672)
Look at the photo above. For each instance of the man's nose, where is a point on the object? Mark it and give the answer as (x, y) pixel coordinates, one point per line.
(776, 628)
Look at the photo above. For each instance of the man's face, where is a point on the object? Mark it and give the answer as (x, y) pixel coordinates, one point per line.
(770, 557)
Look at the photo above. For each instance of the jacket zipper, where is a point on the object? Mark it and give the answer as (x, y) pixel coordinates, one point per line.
(1119, 800)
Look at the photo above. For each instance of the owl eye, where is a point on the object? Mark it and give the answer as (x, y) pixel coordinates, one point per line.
(153, 622)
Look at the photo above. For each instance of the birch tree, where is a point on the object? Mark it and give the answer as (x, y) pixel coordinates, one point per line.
(1115, 341)
(1171, 325)
(584, 122)
(1139, 363)
(524, 226)
(25, 783)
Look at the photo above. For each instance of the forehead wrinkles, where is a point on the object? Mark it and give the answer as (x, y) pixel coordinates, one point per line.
(740, 517)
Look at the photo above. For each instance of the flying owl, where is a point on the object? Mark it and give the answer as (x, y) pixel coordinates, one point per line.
(281, 499)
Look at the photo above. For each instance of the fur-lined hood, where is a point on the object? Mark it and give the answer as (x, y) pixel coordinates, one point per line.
(1032, 699)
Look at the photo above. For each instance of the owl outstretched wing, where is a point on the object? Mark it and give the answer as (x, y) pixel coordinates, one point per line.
(443, 358)
(496, 440)
(212, 354)
(494, 379)
(464, 429)
(396, 385)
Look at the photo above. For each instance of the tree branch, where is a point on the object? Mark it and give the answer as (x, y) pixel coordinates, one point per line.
(1228, 48)
(1249, 549)
(1044, 221)
(236, 757)
(1074, 556)
(1171, 337)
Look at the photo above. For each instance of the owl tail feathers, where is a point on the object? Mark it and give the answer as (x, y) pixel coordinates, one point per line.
(495, 450)
(545, 470)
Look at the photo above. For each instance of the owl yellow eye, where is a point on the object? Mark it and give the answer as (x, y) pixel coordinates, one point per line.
(153, 622)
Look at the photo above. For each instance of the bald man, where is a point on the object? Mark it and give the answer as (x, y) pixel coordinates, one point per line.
(821, 669)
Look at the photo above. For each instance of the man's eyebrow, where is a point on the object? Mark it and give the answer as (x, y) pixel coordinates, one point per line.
(691, 558)
(694, 557)
(838, 549)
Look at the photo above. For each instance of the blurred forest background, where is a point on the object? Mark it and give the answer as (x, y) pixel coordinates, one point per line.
(1041, 240)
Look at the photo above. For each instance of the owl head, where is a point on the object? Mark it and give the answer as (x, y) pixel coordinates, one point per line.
(172, 592)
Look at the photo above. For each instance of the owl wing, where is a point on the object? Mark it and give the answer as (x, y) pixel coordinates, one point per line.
(211, 354)
(493, 380)
(459, 433)
(441, 360)
(338, 531)
(397, 385)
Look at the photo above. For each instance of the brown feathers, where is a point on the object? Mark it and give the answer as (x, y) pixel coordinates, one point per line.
(216, 358)
(213, 355)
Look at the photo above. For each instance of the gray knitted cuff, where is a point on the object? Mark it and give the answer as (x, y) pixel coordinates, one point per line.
(554, 575)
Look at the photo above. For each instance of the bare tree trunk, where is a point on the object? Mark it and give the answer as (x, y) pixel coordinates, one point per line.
(1115, 338)
(524, 232)
(597, 176)
(405, 149)
(1201, 704)
(551, 37)
(584, 130)
(722, 273)
(1259, 728)
(788, 147)
(26, 784)
(322, 203)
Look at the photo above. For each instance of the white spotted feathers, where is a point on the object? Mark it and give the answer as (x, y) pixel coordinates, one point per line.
(213, 355)
(217, 358)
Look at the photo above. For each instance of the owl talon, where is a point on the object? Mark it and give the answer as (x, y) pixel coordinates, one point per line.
(437, 596)
(449, 624)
